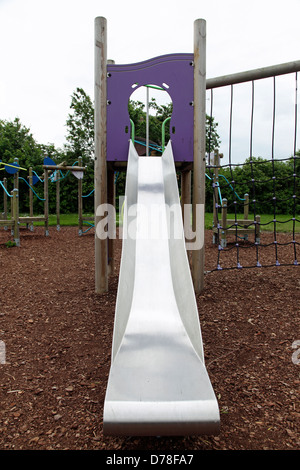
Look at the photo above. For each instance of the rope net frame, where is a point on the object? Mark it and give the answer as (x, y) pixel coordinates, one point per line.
(230, 254)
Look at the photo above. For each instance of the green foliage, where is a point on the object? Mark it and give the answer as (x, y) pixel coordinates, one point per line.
(10, 244)
(269, 183)
(80, 127)
(16, 141)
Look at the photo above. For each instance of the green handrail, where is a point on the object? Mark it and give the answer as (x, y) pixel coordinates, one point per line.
(132, 130)
(163, 133)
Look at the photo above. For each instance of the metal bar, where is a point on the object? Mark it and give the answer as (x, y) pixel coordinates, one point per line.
(13, 166)
(256, 74)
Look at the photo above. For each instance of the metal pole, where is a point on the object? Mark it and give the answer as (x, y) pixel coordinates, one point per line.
(199, 148)
(100, 170)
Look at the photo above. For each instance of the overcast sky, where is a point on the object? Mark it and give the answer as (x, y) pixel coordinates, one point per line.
(47, 50)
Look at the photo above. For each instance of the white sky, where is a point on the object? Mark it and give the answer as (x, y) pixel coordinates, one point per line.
(47, 50)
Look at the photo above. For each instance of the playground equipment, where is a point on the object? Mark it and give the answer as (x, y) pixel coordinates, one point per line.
(252, 77)
(52, 173)
(158, 383)
(29, 220)
(157, 343)
(16, 220)
(13, 221)
(83, 219)
(239, 227)
(4, 213)
(57, 176)
(114, 85)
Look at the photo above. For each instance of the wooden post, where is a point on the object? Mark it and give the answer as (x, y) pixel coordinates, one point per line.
(186, 188)
(15, 200)
(257, 229)
(224, 223)
(5, 201)
(46, 202)
(246, 207)
(12, 210)
(30, 180)
(199, 145)
(16, 175)
(100, 170)
(57, 200)
(15, 193)
(80, 222)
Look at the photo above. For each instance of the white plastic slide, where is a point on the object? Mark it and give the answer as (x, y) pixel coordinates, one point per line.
(158, 384)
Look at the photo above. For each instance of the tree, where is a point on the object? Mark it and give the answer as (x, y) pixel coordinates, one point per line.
(16, 141)
(80, 127)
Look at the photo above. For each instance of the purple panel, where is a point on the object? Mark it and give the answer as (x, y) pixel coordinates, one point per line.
(177, 72)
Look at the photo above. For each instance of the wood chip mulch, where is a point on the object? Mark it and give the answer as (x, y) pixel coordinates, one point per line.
(58, 333)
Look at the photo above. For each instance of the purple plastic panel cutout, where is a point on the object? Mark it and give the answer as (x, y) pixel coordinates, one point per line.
(174, 70)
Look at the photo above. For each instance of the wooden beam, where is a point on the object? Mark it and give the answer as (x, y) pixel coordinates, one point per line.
(100, 169)
(199, 146)
(68, 167)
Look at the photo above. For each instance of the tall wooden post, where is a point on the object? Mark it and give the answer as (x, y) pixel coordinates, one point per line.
(100, 170)
(199, 146)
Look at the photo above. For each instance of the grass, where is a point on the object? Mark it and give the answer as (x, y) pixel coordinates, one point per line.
(284, 222)
(265, 219)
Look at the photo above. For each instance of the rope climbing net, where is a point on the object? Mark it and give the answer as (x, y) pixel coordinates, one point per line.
(255, 203)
